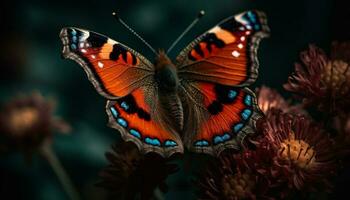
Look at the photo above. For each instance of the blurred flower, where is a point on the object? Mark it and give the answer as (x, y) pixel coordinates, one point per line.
(26, 122)
(269, 98)
(320, 81)
(237, 176)
(340, 51)
(132, 174)
(303, 153)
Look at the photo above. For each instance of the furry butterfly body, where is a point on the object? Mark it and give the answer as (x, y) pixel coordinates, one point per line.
(199, 101)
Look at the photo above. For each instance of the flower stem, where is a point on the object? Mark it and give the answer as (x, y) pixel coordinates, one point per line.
(60, 172)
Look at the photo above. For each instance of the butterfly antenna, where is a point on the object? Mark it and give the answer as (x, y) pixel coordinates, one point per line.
(194, 22)
(134, 32)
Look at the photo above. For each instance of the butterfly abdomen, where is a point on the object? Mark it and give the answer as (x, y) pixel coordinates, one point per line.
(173, 111)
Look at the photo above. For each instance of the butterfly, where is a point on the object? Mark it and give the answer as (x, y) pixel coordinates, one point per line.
(199, 101)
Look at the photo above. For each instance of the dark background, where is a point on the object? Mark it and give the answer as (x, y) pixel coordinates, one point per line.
(30, 60)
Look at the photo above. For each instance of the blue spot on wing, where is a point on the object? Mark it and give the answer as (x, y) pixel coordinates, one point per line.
(226, 136)
(73, 46)
(251, 16)
(237, 127)
(246, 113)
(154, 142)
(74, 32)
(170, 143)
(221, 138)
(232, 94)
(122, 122)
(201, 143)
(135, 133)
(218, 139)
(114, 112)
(124, 105)
(248, 100)
(74, 38)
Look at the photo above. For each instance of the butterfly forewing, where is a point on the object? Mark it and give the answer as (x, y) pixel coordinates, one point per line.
(114, 69)
(226, 54)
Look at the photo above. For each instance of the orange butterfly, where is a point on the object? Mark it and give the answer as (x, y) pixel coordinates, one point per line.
(199, 101)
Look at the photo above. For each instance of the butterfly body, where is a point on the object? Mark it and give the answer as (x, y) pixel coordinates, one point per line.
(166, 74)
(199, 101)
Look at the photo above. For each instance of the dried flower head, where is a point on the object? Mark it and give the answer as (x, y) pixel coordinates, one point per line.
(26, 122)
(320, 81)
(306, 80)
(238, 176)
(269, 98)
(303, 152)
(132, 174)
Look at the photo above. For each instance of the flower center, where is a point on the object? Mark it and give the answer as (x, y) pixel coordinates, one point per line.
(238, 186)
(336, 76)
(297, 151)
(21, 119)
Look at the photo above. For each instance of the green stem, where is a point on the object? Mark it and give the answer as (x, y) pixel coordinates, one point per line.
(59, 170)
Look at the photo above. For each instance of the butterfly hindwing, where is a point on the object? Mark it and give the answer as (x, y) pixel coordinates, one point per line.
(114, 69)
(133, 116)
(226, 54)
(221, 118)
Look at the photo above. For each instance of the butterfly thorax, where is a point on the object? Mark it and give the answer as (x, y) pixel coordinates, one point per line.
(165, 73)
(168, 82)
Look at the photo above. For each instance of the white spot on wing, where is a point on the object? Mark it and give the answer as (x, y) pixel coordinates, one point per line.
(235, 53)
(84, 36)
(83, 50)
(240, 45)
(242, 38)
(100, 64)
(110, 41)
(93, 56)
(215, 29)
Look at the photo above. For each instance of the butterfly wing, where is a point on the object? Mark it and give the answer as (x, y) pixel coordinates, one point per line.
(213, 71)
(136, 116)
(226, 54)
(114, 69)
(218, 116)
(126, 79)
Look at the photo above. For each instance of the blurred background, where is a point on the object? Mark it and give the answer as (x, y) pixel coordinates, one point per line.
(30, 60)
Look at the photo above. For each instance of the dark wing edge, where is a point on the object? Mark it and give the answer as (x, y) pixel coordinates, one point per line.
(255, 40)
